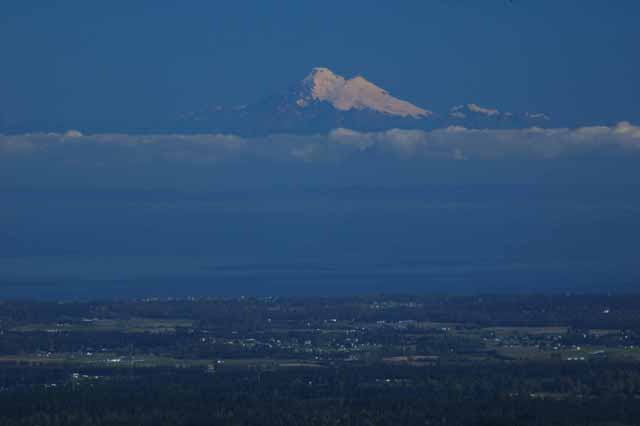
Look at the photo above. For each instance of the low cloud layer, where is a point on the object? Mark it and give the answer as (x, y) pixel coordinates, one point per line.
(341, 157)
(340, 145)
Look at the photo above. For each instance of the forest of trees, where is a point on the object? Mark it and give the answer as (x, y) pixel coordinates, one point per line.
(387, 360)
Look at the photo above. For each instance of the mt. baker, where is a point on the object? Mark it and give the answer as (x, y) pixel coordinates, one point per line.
(323, 101)
(358, 93)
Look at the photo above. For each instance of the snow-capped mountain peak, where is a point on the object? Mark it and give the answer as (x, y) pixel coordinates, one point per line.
(462, 111)
(356, 93)
(489, 112)
(322, 82)
(324, 101)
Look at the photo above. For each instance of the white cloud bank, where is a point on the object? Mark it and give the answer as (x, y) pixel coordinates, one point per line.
(454, 143)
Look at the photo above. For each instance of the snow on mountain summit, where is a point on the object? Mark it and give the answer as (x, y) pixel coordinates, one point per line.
(324, 101)
(356, 93)
(475, 115)
(461, 111)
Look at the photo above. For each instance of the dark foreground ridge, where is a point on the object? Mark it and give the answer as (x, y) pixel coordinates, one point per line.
(377, 360)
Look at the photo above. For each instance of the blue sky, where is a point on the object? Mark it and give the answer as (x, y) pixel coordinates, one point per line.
(117, 62)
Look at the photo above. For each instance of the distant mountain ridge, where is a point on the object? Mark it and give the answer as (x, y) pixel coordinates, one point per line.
(323, 101)
(319, 103)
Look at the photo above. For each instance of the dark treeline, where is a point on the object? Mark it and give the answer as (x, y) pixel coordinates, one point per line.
(361, 396)
(381, 360)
